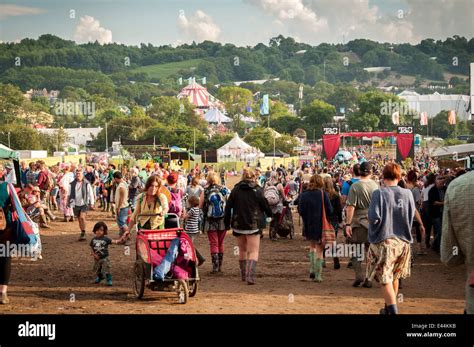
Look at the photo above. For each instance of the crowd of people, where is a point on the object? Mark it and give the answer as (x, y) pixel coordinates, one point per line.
(387, 214)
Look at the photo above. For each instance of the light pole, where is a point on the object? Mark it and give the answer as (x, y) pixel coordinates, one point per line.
(9, 145)
(106, 139)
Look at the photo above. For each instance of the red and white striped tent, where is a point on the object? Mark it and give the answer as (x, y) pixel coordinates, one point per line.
(199, 96)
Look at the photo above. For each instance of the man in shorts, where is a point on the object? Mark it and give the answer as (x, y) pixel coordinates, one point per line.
(391, 213)
(121, 204)
(81, 199)
(357, 204)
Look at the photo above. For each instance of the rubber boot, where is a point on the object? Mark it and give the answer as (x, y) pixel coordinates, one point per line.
(109, 279)
(337, 265)
(200, 258)
(215, 263)
(311, 265)
(359, 275)
(99, 278)
(243, 270)
(318, 270)
(251, 271)
(221, 258)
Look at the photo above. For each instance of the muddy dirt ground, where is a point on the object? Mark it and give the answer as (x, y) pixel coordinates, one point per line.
(62, 282)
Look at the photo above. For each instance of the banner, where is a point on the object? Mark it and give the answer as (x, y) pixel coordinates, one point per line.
(405, 142)
(396, 118)
(331, 141)
(424, 118)
(452, 117)
(265, 108)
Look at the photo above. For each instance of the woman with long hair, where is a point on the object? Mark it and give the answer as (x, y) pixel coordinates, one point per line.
(336, 217)
(310, 207)
(244, 211)
(151, 202)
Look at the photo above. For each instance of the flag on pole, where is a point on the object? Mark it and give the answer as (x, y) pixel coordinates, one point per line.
(204, 80)
(248, 107)
(396, 118)
(264, 108)
(451, 117)
(424, 118)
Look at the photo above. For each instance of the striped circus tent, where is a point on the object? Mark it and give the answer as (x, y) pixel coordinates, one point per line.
(199, 96)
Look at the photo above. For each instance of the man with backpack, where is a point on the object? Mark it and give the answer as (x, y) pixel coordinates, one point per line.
(213, 201)
(45, 181)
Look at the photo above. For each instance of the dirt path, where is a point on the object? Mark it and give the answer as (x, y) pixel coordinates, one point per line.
(62, 282)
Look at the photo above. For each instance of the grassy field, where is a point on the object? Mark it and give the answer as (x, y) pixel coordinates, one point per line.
(168, 69)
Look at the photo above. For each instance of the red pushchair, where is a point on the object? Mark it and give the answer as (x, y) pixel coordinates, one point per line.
(150, 241)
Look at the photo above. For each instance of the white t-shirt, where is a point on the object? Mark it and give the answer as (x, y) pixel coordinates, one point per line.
(426, 191)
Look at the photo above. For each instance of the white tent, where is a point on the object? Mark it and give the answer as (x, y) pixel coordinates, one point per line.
(216, 116)
(237, 150)
(245, 119)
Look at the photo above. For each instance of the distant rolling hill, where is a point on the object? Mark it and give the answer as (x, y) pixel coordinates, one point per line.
(165, 70)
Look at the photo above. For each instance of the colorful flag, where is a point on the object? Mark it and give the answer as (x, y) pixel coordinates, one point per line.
(451, 117)
(265, 108)
(396, 118)
(248, 107)
(424, 118)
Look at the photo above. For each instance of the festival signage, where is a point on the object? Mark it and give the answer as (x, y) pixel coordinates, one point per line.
(405, 142)
(331, 141)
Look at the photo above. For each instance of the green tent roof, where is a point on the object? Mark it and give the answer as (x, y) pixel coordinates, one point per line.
(8, 153)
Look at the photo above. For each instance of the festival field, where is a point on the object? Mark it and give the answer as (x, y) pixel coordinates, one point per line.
(62, 282)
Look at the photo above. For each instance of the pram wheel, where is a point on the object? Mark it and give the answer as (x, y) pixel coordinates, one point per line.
(183, 291)
(194, 289)
(139, 282)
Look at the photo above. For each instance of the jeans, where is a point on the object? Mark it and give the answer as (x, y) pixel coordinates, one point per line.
(427, 222)
(437, 226)
(161, 270)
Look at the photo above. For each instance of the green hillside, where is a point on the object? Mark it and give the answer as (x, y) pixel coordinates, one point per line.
(159, 71)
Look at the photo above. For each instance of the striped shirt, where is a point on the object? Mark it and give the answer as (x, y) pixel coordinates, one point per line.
(192, 220)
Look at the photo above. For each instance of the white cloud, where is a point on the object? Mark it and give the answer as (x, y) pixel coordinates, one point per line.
(292, 10)
(89, 30)
(9, 10)
(198, 28)
(316, 21)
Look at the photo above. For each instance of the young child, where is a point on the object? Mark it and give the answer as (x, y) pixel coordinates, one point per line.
(100, 251)
(192, 219)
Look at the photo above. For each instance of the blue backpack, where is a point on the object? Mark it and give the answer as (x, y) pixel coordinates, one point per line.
(216, 202)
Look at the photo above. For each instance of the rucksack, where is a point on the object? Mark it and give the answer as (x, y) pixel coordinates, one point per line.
(272, 195)
(176, 204)
(49, 182)
(215, 202)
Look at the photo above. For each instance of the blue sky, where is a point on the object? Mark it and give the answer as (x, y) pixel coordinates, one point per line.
(241, 22)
